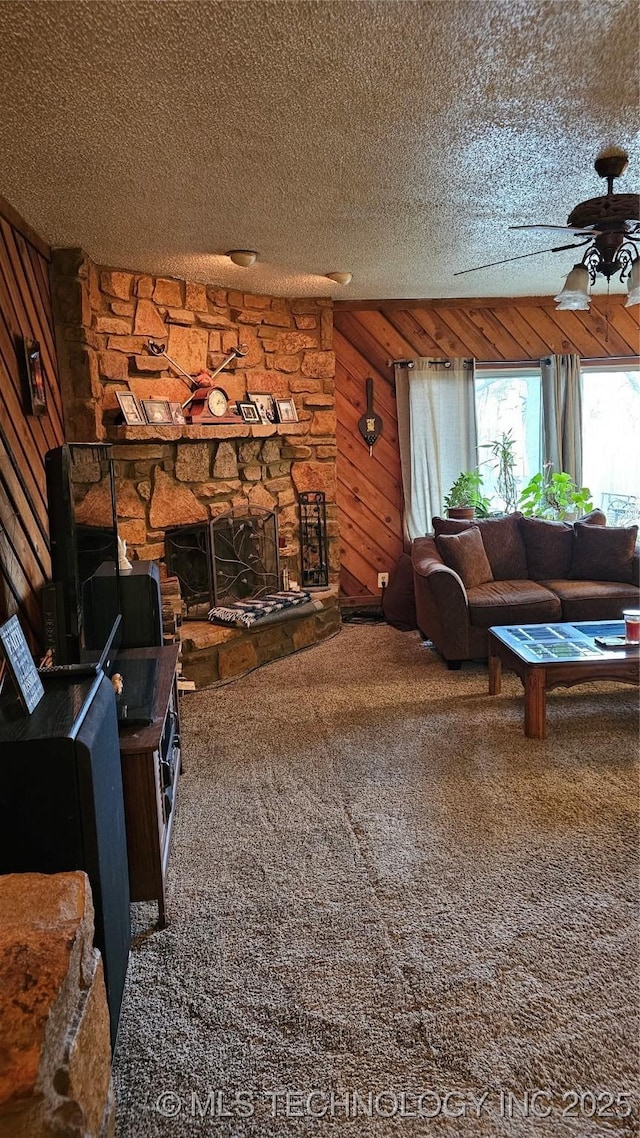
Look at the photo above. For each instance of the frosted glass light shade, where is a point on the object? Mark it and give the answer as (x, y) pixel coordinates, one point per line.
(633, 285)
(243, 257)
(574, 295)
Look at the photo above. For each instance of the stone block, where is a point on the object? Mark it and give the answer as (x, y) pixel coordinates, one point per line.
(214, 319)
(144, 287)
(296, 452)
(195, 297)
(225, 464)
(318, 400)
(133, 532)
(150, 365)
(173, 504)
(131, 453)
(215, 344)
(326, 329)
(259, 302)
(259, 496)
(306, 321)
(148, 322)
(113, 324)
(246, 316)
(192, 462)
(144, 489)
(286, 498)
(188, 347)
(251, 472)
(278, 469)
(292, 342)
(249, 449)
(152, 551)
(116, 284)
(319, 365)
(326, 450)
(304, 633)
(235, 299)
(233, 659)
(169, 292)
(113, 365)
(132, 345)
(285, 362)
(279, 318)
(308, 476)
(122, 307)
(304, 385)
(270, 451)
(323, 423)
(180, 316)
(217, 296)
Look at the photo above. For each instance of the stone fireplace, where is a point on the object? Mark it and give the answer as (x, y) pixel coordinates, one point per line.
(171, 476)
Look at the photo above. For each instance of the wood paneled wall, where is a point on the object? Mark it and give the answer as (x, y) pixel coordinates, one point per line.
(370, 334)
(25, 311)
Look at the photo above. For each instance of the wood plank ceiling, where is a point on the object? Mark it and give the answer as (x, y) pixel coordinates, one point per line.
(370, 334)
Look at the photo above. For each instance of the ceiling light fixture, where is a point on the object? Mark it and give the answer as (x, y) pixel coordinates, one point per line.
(243, 257)
(340, 278)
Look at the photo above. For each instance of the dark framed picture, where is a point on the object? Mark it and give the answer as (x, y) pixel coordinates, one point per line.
(265, 404)
(286, 411)
(131, 409)
(34, 374)
(157, 411)
(249, 412)
(20, 665)
(177, 414)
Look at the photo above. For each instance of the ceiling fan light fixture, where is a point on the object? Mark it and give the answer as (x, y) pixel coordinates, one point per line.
(341, 278)
(633, 284)
(245, 258)
(575, 293)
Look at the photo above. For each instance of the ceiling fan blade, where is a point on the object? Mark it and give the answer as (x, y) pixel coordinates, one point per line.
(585, 231)
(536, 253)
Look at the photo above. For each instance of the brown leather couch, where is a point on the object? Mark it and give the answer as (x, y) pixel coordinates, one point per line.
(468, 576)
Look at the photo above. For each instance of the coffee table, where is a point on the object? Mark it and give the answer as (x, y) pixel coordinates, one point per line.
(547, 656)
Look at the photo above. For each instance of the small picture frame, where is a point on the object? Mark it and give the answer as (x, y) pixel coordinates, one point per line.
(34, 375)
(177, 414)
(131, 409)
(249, 412)
(265, 404)
(157, 411)
(20, 665)
(286, 411)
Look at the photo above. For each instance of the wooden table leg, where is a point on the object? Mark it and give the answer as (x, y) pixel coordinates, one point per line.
(495, 674)
(535, 703)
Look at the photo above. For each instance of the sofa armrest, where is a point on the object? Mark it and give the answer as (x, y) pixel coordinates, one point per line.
(442, 609)
(635, 565)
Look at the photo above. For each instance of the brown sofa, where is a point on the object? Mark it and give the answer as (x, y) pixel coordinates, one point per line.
(468, 576)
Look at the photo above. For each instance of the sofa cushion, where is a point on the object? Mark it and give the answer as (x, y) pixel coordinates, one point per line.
(549, 547)
(512, 602)
(603, 553)
(505, 547)
(465, 553)
(502, 541)
(594, 600)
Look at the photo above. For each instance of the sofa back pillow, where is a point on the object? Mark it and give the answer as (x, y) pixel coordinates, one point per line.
(502, 541)
(505, 547)
(603, 553)
(549, 547)
(465, 553)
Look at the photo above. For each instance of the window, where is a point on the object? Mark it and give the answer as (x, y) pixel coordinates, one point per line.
(508, 400)
(610, 441)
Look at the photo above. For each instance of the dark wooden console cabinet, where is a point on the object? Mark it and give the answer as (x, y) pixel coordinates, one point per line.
(151, 765)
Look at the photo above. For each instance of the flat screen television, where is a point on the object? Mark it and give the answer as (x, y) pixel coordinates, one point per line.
(84, 538)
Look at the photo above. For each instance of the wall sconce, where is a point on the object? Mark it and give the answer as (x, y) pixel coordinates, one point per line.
(243, 257)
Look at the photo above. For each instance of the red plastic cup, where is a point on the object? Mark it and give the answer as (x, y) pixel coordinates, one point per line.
(632, 625)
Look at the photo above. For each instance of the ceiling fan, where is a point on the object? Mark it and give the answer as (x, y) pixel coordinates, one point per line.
(608, 227)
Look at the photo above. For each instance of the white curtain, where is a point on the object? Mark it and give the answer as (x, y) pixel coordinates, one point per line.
(562, 414)
(437, 433)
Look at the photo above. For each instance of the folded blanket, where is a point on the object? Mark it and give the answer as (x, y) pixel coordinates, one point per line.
(243, 614)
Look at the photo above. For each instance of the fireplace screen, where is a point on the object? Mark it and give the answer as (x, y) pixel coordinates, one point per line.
(244, 545)
(188, 558)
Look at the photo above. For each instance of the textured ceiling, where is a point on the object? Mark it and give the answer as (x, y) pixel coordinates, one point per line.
(394, 140)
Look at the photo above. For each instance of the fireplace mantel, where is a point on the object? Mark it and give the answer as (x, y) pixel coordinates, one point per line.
(199, 431)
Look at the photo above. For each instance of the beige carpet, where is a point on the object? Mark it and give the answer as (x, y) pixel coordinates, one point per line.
(386, 903)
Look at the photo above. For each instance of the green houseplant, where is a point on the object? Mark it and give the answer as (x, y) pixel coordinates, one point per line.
(465, 498)
(554, 494)
(502, 450)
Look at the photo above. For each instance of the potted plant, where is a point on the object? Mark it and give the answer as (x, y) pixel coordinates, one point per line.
(465, 498)
(502, 450)
(555, 495)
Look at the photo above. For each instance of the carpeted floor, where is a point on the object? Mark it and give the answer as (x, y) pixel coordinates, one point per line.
(390, 912)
